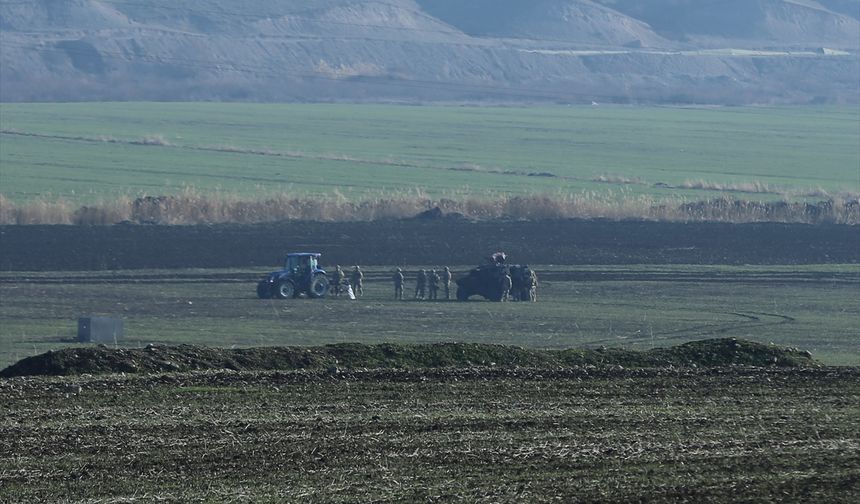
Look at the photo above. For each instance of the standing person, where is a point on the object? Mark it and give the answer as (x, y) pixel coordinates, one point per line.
(337, 280)
(398, 284)
(532, 285)
(520, 280)
(421, 284)
(446, 282)
(433, 285)
(356, 281)
(506, 286)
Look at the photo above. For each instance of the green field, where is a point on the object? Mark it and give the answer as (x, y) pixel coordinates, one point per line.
(88, 152)
(814, 308)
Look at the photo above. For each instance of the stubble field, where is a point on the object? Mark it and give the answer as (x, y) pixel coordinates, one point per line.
(474, 435)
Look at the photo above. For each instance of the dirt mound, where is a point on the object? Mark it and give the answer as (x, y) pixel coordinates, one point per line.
(184, 358)
(156, 358)
(704, 353)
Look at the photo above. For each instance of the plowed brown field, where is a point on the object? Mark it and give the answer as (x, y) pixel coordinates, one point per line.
(441, 241)
(473, 435)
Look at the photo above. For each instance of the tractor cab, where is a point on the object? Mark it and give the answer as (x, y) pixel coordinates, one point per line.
(302, 265)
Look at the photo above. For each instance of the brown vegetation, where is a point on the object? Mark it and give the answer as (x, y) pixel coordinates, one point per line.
(758, 187)
(193, 207)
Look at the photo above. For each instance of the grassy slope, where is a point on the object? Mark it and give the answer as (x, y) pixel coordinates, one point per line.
(798, 147)
(765, 304)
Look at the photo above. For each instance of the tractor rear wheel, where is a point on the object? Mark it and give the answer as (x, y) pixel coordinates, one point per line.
(285, 290)
(319, 286)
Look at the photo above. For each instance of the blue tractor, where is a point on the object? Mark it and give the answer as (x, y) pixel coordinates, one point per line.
(301, 276)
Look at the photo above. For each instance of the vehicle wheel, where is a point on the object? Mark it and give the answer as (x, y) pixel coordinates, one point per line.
(319, 286)
(462, 294)
(263, 291)
(285, 290)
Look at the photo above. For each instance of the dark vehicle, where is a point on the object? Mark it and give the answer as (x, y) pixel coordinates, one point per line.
(301, 276)
(486, 281)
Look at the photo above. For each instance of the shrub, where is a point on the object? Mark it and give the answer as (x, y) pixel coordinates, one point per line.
(190, 207)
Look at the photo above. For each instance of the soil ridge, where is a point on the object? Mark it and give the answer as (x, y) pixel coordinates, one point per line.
(98, 360)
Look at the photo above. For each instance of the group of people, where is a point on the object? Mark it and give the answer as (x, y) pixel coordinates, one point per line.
(340, 284)
(524, 289)
(427, 284)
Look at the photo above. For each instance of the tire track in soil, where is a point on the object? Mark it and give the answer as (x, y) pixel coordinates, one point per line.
(750, 320)
(226, 149)
(551, 276)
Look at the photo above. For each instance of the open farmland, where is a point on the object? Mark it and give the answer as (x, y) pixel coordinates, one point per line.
(478, 431)
(477, 435)
(631, 284)
(812, 307)
(415, 241)
(90, 152)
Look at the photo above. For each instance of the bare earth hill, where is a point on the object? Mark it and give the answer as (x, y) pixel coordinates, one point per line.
(722, 51)
(185, 358)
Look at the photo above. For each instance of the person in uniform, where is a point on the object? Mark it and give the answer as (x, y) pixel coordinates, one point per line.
(433, 285)
(446, 282)
(398, 284)
(356, 281)
(337, 280)
(522, 283)
(532, 286)
(506, 286)
(421, 285)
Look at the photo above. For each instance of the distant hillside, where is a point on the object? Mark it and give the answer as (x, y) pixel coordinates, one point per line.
(581, 22)
(722, 51)
(753, 24)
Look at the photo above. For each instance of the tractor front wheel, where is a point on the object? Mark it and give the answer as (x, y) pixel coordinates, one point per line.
(263, 290)
(285, 290)
(319, 286)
